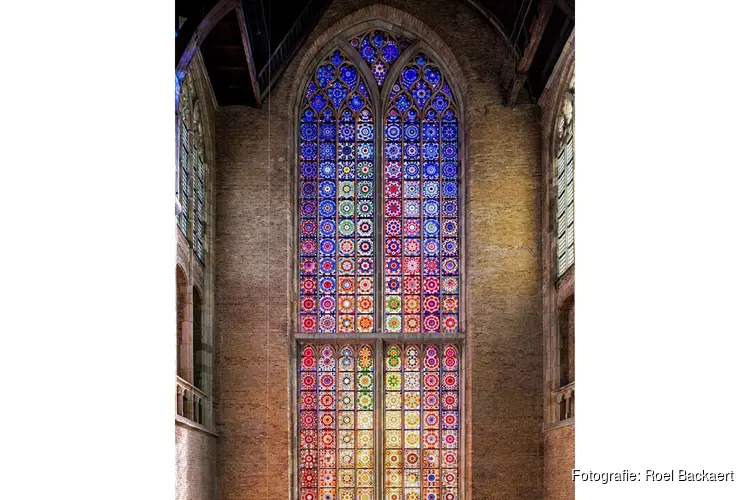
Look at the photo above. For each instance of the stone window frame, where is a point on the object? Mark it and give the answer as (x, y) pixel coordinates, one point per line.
(558, 292)
(380, 339)
(200, 274)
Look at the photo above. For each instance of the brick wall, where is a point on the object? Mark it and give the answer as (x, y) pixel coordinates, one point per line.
(558, 463)
(195, 464)
(255, 253)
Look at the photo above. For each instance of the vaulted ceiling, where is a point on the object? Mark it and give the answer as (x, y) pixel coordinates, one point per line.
(247, 44)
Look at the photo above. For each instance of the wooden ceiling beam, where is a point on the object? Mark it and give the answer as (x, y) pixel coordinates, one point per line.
(194, 31)
(524, 63)
(248, 54)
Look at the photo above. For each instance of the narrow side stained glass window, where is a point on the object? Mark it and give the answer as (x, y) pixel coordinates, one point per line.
(564, 171)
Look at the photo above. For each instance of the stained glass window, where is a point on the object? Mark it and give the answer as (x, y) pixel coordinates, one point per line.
(421, 422)
(199, 194)
(381, 264)
(380, 50)
(337, 203)
(421, 214)
(184, 174)
(336, 423)
(191, 168)
(564, 168)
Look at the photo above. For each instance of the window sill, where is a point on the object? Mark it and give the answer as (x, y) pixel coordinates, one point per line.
(179, 419)
(559, 425)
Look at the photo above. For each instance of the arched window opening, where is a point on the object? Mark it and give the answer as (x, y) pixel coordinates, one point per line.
(380, 233)
(185, 405)
(191, 168)
(199, 188)
(198, 368)
(181, 288)
(564, 170)
(183, 171)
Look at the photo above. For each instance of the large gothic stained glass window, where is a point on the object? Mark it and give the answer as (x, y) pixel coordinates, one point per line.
(379, 256)
(564, 167)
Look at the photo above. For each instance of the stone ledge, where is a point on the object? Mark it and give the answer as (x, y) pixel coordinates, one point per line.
(179, 419)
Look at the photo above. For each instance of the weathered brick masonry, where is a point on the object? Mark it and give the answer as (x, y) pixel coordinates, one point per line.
(255, 252)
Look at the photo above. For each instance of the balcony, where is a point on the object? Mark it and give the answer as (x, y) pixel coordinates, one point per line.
(564, 399)
(193, 404)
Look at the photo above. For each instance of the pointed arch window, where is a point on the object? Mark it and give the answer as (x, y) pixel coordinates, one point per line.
(379, 238)
(564, 169)
(191, 169)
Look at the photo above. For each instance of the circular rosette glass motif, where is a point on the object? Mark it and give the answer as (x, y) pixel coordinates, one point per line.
(346, 266)
(308, 208)
(308, 305)
(450, 170)
(431, 265)
(392, 151)
(346, 304)
(450, 151)
(411, 151)
(364, 304)
(411, 304)
(450, 208)
(346, 189)
(308, 323)
(327, 227)
(411, 132)
(393, 246)
(393, 323)
(346, 227)
(327, 208)
(411, 190)
(431, 304)
(411, 208)
(364, 401)
(364, 324)
(393, 189)
(393, 382)
(364, 246)
(327, 284)
(346, 132)
(364, 285)
(393, 304)
(308, 227)
(450, 189)
(411, 227)
(364, 228)
(393, 284)
(411, 246)
(365, 151)
(393, 170)
(432, 323)
(308, 189)
(450, 247)
(411, 170)
(450, 381)
(393, 132)
(393, 227)
(365, 265)
(431, 228)
(364, 131)
(346, 285)
(411, 265)
(411, 285)
(346, 247)
(450, 304)
(364, 209)
(431, 189)
(327, 170)
(430, 151)
(364, 170)
(327, 304)
(364, 189)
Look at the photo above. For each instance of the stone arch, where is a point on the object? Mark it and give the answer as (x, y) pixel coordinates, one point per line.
(181, 287)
